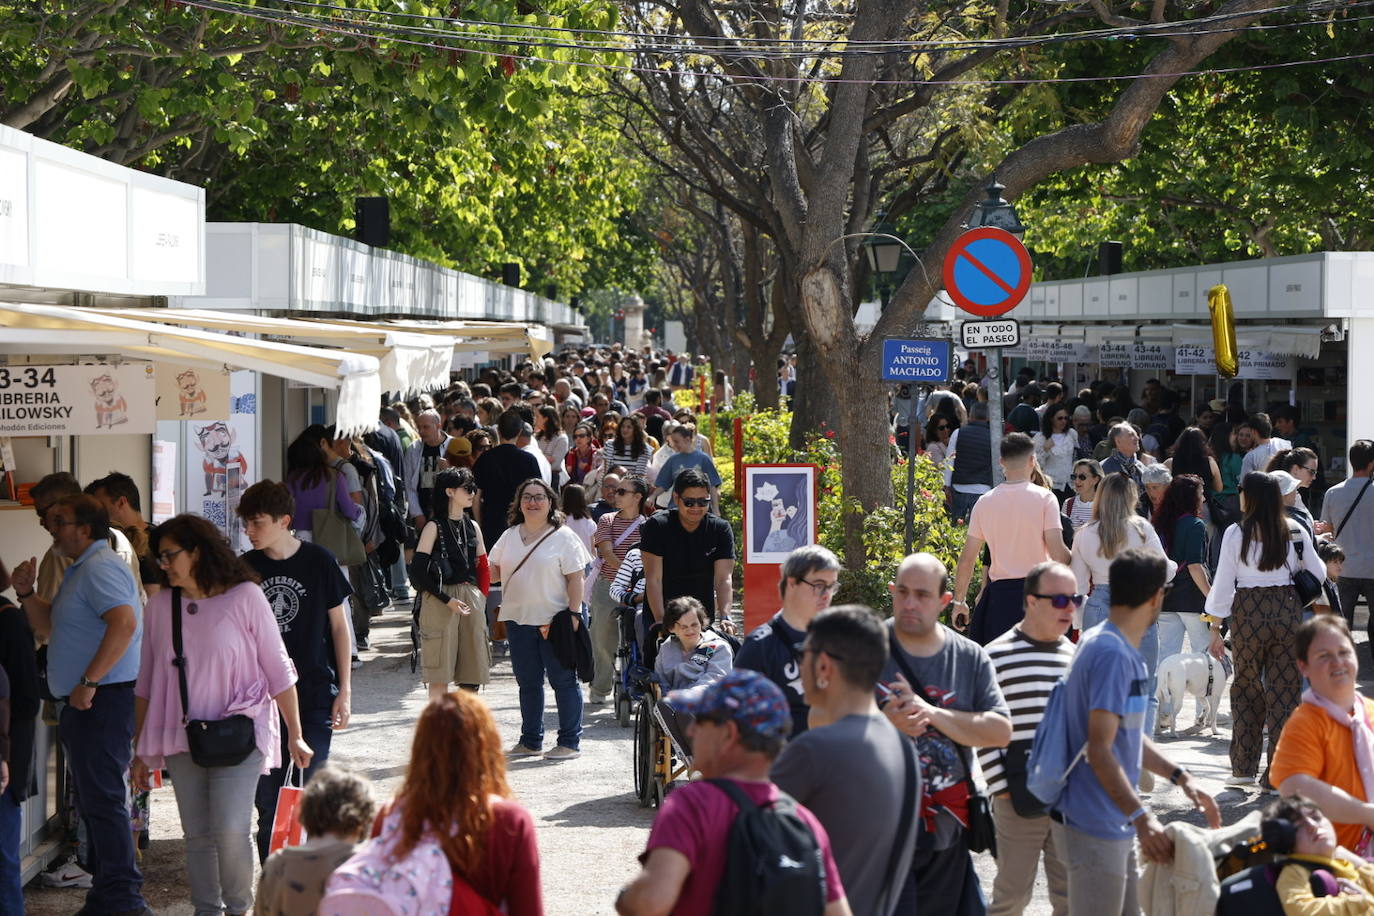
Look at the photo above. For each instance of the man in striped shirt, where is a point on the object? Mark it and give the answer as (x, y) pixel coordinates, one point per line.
(1027, 660)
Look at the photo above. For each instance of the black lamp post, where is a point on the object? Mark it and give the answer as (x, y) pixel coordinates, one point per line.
(996, 212)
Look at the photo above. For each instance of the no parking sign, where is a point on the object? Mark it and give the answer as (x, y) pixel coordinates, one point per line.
(987, 272)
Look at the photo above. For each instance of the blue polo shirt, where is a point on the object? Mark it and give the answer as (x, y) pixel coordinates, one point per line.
(680, 461)
(96, 583)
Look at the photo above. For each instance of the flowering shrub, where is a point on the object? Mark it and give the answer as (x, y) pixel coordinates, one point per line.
(765, 441)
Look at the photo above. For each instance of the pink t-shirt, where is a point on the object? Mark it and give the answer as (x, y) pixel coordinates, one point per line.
(695, 820)
(1012, 519)
(236, 663)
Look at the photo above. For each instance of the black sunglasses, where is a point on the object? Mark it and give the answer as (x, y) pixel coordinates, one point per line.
(1062, 601)
(1083, 476)
(701, 503)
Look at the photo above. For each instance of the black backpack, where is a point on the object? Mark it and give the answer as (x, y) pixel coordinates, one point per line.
(773, 864)
(1254, 891)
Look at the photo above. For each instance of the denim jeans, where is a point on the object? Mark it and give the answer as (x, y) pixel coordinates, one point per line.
(532, 659)
(216, 807)
(11, 825)
(961, 505)
(1096, 610)
(1174, 625)
(316, 731)
(99, 747)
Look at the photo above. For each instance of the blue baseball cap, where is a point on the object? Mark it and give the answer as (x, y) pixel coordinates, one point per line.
(747, 698)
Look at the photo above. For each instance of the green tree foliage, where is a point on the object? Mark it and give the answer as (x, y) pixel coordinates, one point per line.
(486, 157)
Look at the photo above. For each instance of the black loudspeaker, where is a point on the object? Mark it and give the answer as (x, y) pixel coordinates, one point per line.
(373, 218)
(551, 292)
(510, 274)
(1109, 258)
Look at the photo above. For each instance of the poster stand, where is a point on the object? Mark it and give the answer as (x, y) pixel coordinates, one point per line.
(779, 514)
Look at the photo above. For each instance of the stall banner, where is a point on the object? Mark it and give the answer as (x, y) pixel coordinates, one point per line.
(1114, 355)
(1261, 364)
(1152, 357)
(1058, 350)
(1020, 351)
(76, 400)
(217, 463)
(192, 393)
(1038, 348)
(1195, 358)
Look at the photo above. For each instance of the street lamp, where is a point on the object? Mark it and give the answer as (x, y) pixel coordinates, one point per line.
(883, 248)
(996, 212)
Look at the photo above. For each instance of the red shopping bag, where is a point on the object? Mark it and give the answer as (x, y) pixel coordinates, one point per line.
(286, 822)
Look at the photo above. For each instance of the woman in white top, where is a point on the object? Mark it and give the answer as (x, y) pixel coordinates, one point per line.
(1054, 447)
(552, 441)
(1086, 476)
(938, 433)
(1253, 587)
(1116, 527)
(576, 515)
(541, 564)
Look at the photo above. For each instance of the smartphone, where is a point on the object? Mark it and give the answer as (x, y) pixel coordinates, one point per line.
(884, 692)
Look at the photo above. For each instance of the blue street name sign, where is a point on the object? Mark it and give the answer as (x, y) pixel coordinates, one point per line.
(919, 360)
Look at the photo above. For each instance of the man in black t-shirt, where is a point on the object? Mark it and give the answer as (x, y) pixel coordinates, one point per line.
(306, 590)
(688, 552)
(499, 472)
(810, 578)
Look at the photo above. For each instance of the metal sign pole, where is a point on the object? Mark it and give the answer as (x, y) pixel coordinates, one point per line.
(910, 478)
(995, 412)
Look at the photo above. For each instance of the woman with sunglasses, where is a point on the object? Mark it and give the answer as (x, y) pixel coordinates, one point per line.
(450, 576)
(617, 533)
(541, 565)
(1253, 589)
(939, 429)
(1116, 526)
(584, 460)
(235, 664)
(1055, 445)
(1086, 476)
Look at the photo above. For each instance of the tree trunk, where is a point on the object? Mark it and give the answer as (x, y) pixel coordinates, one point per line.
(815, 408)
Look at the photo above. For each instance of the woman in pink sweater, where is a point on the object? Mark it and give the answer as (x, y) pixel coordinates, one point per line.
(235, 664)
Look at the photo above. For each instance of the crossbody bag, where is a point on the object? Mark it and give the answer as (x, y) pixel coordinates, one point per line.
(223, 742)
(981, 833)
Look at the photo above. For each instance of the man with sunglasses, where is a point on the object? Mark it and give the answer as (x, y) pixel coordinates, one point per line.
(687, 551)
(94, 631)
(1028, 659)
(810, 578)
(1099, 818)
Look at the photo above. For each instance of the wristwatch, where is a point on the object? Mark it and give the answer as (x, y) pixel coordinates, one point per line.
(87, 682)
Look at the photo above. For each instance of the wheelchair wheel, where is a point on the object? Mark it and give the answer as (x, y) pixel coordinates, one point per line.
(622, 707)
(645, 754)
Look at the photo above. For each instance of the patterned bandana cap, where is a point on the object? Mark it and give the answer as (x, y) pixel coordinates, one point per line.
(748, 698)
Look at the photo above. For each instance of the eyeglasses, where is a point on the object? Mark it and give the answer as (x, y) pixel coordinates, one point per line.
(534, 497)
(60, 522)
(1083, 477)
(621, 491)
(581, 436)
(1062, 601)
(943, 427)
(165, 557)
(689, 503)
(1312, 470)
(821, 590)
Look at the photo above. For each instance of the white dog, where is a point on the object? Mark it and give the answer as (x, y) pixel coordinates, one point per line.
(1196, 673)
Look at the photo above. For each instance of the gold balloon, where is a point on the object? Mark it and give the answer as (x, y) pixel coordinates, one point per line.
(1223, 330)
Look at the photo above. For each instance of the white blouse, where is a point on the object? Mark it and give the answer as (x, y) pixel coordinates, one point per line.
(539, 589)
(1235, 571)
(1091, 568)
(1056, 455)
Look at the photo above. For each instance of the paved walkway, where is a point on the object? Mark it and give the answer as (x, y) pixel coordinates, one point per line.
(591, 829)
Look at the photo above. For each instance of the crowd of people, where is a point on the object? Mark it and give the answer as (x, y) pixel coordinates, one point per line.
(517, 511)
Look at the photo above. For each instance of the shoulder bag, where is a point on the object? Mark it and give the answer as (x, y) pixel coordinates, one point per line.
(334, 532)
(981, 832)
(1351, 511)
(223, 742)
(1307, 585)
(499, 631)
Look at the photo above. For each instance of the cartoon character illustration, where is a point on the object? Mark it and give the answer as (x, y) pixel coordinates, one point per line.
(110, 407)
(190, 396)
(778, 540)
(226, 470)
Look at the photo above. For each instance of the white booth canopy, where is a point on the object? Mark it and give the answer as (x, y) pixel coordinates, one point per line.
(1285, 340)
(411, 363)
(28, 331)
(487, 336)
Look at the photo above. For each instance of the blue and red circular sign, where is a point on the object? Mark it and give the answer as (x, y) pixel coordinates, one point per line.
(987, 272)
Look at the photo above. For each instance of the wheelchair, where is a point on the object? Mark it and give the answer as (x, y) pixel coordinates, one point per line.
(630, 670)
(659, 758)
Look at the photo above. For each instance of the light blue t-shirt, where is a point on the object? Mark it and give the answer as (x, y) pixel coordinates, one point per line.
(97, 582)
(1108, 673)
(679, 462)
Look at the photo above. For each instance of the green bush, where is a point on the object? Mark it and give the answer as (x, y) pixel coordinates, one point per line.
(766, 441)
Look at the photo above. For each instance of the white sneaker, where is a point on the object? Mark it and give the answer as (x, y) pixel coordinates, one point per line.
(596, 699)
(521, 750)
(559, 752)
(68, 874)
(1240, 781)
